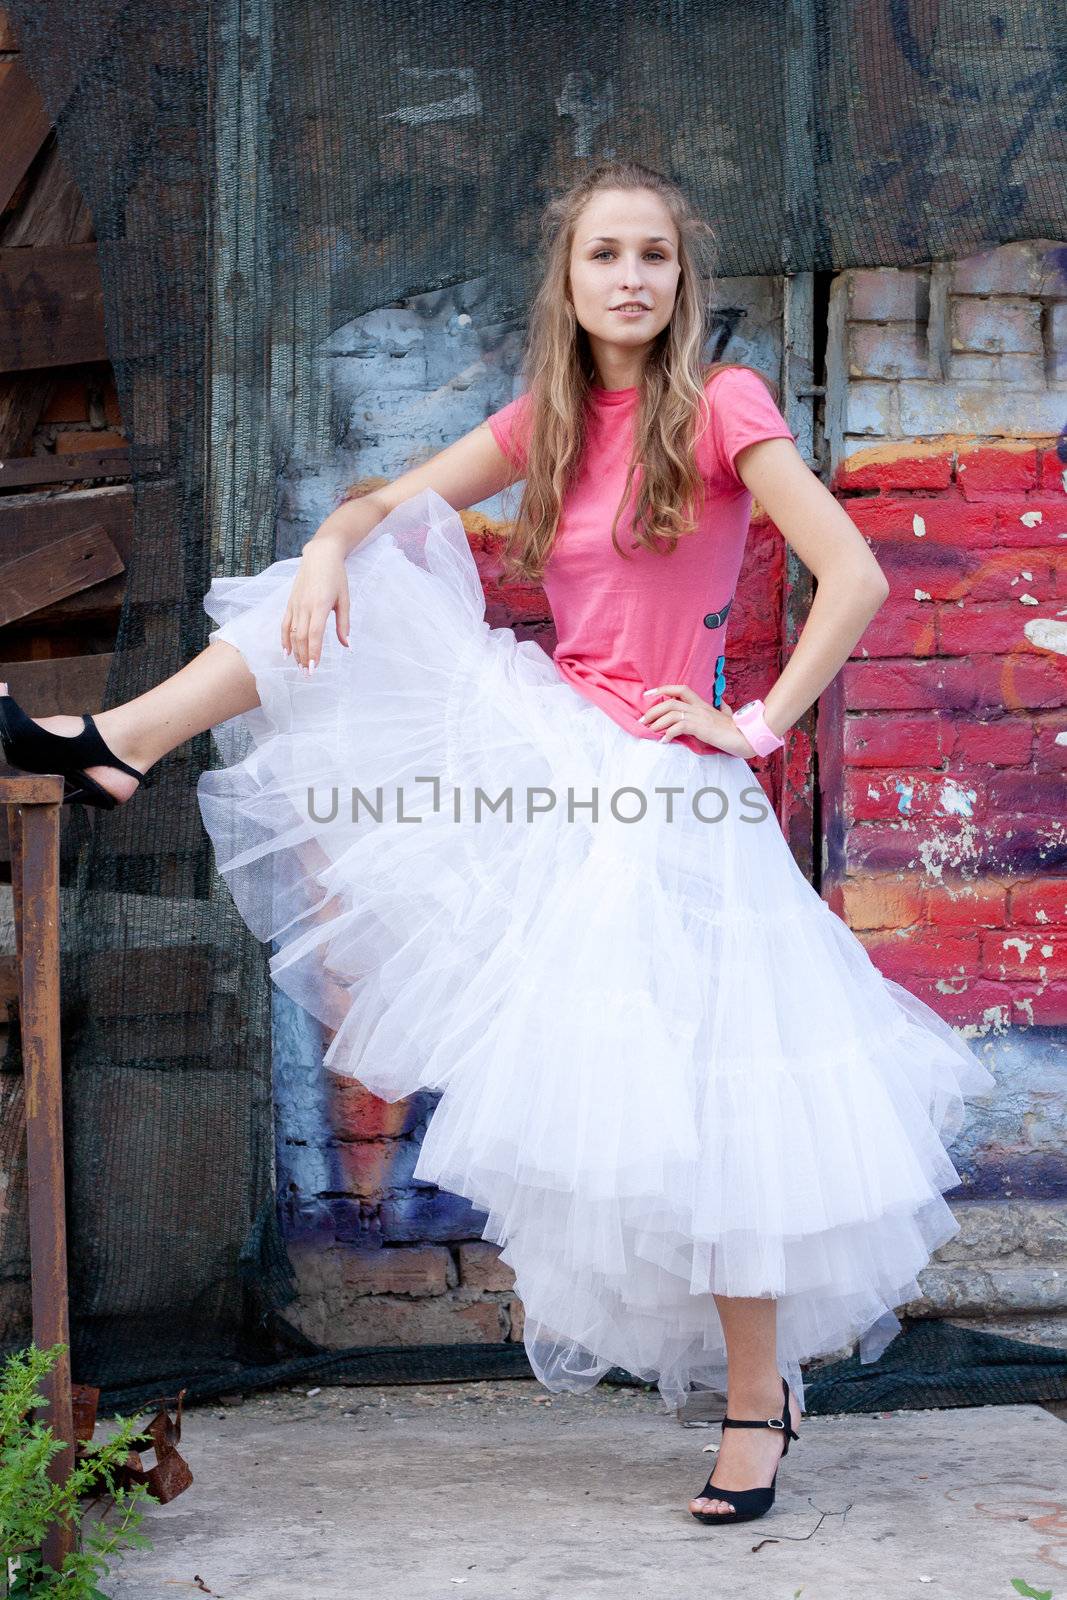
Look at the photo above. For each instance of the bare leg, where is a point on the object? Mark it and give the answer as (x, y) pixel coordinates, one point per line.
(215, 685)
(748, 1456)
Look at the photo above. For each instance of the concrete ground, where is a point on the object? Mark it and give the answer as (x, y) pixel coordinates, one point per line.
(499, 1491)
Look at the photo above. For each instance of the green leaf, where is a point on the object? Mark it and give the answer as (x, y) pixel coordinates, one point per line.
(1031, 1594)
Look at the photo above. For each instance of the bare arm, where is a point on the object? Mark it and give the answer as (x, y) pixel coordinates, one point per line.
(464, 473)
(851, 586)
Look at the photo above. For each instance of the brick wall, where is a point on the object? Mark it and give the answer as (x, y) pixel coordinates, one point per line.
(943, 743)
(943, 759)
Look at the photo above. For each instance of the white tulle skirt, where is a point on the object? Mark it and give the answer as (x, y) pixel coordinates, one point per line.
(668, 1070)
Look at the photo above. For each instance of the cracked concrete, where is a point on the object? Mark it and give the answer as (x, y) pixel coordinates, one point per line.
(500, 1491)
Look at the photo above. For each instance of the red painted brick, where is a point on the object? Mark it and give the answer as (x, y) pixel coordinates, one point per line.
(967, 903)
(994, 626)
(1050, 756)
(947, 519)
(967, 1002)
(1052, 470)
(873, 795)
(1042, 1007)
(1034, 794)
(523, 602)
(1000, 742)
(924, 952)
(931, 847)
(1038, 901)
(985, 681)
(985, 469)
(1012, 530)
(936, 570)
(902, 627)
(889, 467)
(1025, 953)
(896, 741)
(1000, 577)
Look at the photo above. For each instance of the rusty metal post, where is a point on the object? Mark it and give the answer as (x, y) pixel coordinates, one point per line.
(33, 810)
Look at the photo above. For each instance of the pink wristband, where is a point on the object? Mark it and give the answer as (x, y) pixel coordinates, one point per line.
(749, 718)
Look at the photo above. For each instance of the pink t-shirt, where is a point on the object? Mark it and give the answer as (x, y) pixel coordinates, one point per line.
(624, 624)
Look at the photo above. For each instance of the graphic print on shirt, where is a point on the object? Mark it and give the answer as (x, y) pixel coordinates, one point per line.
(715, 619)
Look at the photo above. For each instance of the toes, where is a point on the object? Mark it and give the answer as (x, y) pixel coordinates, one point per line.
(710, 1505)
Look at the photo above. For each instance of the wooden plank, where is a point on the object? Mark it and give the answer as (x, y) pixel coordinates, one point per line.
(51, 307)
(62, 686)
(28, 521)
(67, 566)
(25, 123)
(53, 212)
(20, 472)
(23, 397)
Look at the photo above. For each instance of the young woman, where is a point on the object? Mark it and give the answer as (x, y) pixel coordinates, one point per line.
(707, 1132)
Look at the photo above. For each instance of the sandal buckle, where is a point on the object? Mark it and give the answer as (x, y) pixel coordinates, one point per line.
(775, 1422)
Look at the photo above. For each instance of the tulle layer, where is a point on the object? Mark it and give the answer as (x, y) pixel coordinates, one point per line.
(668, 1070)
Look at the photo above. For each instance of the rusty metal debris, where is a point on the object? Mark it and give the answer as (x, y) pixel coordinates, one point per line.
(170, 1474)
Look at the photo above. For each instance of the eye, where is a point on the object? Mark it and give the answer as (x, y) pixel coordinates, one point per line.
(606, 252)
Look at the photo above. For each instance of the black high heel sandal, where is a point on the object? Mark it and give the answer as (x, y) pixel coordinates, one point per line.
(748, 1503)
(35, 749)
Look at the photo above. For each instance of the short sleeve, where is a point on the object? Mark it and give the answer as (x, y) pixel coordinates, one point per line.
(742, 413)
(509, 428)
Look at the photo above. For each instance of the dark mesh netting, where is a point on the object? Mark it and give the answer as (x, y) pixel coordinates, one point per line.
(258, 176)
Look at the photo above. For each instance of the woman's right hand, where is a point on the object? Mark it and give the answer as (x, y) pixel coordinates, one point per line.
(320, 586)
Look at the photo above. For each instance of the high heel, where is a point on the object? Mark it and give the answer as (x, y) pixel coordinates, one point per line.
(748, 1503)
(35, 749)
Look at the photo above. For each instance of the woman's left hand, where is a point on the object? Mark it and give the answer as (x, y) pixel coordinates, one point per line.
(685, 712)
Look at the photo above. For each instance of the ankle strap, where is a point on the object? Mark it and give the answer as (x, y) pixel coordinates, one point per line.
(780, 1424)
(771, 1422)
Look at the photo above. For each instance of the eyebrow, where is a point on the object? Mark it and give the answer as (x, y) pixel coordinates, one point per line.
(603, 238)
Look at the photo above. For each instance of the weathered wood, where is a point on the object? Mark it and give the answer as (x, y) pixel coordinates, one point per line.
(51, 307)
(28, 788)
(67, 566)
(29, 521)
(23, 472)
(25, 123)
(63, 686)
(23, 397)
(53, 212)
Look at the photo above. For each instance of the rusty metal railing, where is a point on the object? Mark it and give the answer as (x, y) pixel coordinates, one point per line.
(33, 805)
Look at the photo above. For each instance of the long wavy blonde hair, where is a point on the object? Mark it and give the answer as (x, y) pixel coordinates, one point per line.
(558, 369)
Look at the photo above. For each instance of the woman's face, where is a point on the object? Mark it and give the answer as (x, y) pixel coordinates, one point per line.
(624, 253)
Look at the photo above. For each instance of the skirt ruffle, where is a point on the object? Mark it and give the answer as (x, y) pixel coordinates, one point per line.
(667, 1069)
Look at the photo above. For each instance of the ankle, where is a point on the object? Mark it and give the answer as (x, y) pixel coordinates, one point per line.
(115, 730)
(758, 1394)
